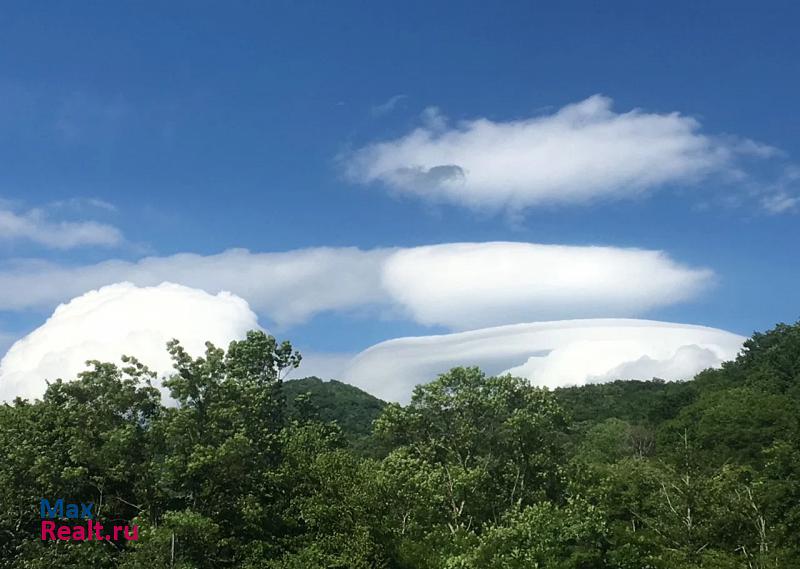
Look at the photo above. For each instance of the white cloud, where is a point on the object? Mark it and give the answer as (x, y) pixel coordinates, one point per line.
(456, 285)
(289, 287)
(582, 152)
(466, 285)
(125, 319)
(682, 364)
(121, 319)
(781, 202)
(325, 365)
(388, 106)
(34, 225)
(551, 354)
(79, 204)
(6, 340)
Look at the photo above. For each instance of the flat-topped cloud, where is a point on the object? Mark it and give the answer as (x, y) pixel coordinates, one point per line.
(455, 285)
(551, 354)
(468, 285)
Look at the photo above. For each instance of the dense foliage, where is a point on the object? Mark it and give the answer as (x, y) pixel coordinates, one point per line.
(474, 472)
(352, 409)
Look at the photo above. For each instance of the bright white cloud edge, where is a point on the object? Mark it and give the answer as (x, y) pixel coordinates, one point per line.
(552, 354)
(470, 285)
(455, 285)
(121, 319)
(35, 226)
(126, 319)
(581, 152)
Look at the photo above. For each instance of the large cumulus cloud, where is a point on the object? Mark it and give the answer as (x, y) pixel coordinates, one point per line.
(121, 319)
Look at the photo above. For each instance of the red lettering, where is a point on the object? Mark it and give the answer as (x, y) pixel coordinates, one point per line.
(132, 536)
(64, 532)
(48, 527)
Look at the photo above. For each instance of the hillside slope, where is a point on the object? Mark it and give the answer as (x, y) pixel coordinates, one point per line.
(353, 409)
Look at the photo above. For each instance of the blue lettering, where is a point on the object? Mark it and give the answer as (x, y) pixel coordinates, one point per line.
(86, 510)
(49, 511)
(71, 511)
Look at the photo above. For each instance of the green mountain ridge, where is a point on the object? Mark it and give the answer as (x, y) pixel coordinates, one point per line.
(352, 408)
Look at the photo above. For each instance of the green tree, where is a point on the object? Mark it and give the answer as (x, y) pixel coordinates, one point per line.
(498, 441)
(86, 441)
(542, 535)
(223, 441)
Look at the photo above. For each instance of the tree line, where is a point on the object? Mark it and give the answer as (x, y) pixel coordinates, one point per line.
(244, 470)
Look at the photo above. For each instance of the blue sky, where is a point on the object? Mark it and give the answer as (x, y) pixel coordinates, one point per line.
(199, 127)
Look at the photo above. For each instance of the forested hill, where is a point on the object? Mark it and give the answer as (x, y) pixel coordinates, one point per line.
(769, 364)
(746, 403)
(474, 472)
(352, 408)
(766, 374)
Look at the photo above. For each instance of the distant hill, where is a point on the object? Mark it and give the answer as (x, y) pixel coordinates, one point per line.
(352, 408)
(635, 401)
(769, 363)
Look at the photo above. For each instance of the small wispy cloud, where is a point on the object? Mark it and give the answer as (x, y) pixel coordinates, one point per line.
(388, 106)
(39, 116)
(779, 203)
(83, 117)
(784, 195)
(84, 204)
(37, 226)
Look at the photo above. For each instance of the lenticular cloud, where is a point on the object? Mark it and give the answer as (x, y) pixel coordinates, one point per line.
(471, 285)
(121, 319)
(455, 285)
(552, 354)
(583, 152)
